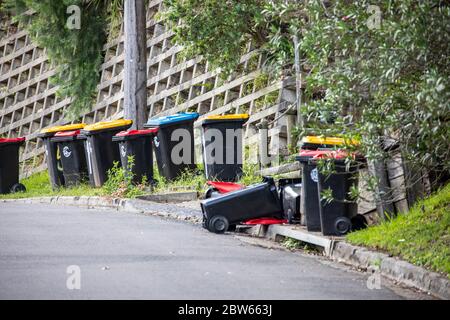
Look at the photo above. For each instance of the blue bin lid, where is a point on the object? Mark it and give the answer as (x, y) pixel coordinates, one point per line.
(179, 117)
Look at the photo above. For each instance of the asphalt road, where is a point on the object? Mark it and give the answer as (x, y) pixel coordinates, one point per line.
(129, 256)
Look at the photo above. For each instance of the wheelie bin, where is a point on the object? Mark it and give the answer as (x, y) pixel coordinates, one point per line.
(336, 214)
(290, 194)
(256, 201)
(312, 146)
(53, 159)
(137, 144)
(223, 135)
(101, 150)
(73, 157)
(9, 165)
(174, 143)
(309, 200)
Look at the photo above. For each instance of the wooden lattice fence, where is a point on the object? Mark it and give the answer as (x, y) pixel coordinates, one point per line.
(28, 101)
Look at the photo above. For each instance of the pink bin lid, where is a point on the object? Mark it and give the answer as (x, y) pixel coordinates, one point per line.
(137, 132)
(225, 187)
(265, 221)
(12, 140)
(67, 133)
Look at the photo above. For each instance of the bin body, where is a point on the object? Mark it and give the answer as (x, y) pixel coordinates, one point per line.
(256, 201)
(101, 151)
(290, 194)
(54, 164)
(9, 163)
(309, 200)
(224, 161)
(172, 130)
(73, 158)
(336, 216)
(138, 144)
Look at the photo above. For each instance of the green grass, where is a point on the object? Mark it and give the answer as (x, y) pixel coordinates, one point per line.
(38, 185)
(421, 236)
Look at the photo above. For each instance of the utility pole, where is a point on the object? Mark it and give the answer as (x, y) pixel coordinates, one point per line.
(135, 80)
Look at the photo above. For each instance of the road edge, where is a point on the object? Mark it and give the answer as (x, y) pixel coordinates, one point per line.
(362, 258)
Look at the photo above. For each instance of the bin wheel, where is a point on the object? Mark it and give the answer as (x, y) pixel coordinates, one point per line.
(218, 224)
(18, 187)
(342, 225)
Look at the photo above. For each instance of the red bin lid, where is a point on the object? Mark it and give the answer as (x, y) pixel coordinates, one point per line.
(67, 133)
(137, 132)
(12, 140)
(265, 221)
(313, 153)
(225, 187)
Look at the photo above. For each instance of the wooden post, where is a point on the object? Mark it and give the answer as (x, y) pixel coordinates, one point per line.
(385, 207)
(298, 82)
(135, 86)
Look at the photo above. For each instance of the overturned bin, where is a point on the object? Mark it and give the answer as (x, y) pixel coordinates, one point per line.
(256, 201)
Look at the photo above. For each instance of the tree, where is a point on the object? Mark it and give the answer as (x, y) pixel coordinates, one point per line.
(77, 52)
(386, 84)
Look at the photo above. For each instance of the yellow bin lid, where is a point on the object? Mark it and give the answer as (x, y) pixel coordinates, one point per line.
(242, 116)
(69, 127)
(329, 140)
(108, 125)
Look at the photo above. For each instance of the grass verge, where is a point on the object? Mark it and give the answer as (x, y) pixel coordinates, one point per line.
(421, 236)
(38, 185)
(119, 185)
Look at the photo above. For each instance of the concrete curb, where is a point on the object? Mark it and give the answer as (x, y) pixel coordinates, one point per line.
(362, 258)
(335, 248)
(392, 268)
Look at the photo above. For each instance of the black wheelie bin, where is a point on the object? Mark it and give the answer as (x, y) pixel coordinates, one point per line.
(313, 146)
(174, 143)
(336, 214)
(52, 155)
(73, 156)
(9, 165)
(256, 201)
(223, 135)
(137, 144)
(101, 150)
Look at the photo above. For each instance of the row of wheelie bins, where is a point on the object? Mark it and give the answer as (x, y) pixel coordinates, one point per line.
(296, 200)
(79, 152)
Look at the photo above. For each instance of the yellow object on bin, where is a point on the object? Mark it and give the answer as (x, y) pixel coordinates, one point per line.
(242, 116)
(108, 125)
(329, 140)
(69, 127)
